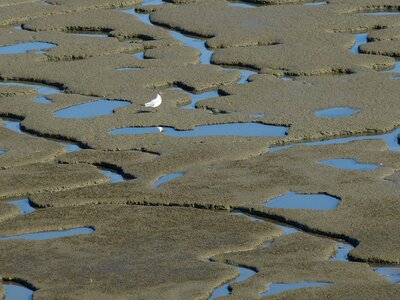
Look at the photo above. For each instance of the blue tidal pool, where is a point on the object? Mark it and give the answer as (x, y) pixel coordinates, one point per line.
(251, 218)
(112, 175)
(71, 147)
(277, 288)
(287, 229)
(348, 164)
(200, 97)
(343, 252)
(232, 129)
(359, 40)
(390, 273)
(315, 3)
(243, 5)
(152, 2)
(13, 125)
(128, 69)
(382, 13)
(26, 47)
(167, 178)
(391, 140)
(145, 18)
(23, 205)
(304, 201)
(139, 55)
(16, 291)
(224, 290)
(50, 234)
(336, 112)
(41, 89)
(91, 109)
(195, 42)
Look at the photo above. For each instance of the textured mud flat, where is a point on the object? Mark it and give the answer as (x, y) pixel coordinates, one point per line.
(180, 239)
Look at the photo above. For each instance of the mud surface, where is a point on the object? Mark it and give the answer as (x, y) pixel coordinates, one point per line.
(273, 62)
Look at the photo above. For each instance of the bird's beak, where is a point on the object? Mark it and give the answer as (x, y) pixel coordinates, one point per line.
(161, 93)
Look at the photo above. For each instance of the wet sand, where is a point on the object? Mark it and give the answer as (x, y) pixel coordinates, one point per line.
(270, 170)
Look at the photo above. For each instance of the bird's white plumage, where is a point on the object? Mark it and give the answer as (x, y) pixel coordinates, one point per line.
(155, 102)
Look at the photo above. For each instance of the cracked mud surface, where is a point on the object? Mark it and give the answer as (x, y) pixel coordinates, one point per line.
(155, 243)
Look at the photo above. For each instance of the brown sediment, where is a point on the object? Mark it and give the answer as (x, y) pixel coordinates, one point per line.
(154, 247)
(127, 240)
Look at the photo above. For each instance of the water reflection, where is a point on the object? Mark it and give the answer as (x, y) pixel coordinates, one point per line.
(91, 109)
(348, 164)
(26, 47)
(304, 201)
(277, 288)
(50, 234)
(232, 129)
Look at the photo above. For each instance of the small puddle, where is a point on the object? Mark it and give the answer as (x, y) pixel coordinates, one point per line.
(26, 47)
(71, 147)
(285, 229)
(112, 175)
(152, 2)
(15, 291)
(12, 125)
(50, 234)
(232, 129)
(91, 109)
(242, 5)
(251, 218)
(167, 178)
(23, 205)
(139, 55)
(226, 289)
(40, 88)
(304, 201)
(42, 100)
(337, 112)
(2, 151)
(381, 13)
(360, 39)
(390, 273)
(391, 140)
(277, 288)
(348, 164)
(128, 69)
(316, 3)
(343, 252)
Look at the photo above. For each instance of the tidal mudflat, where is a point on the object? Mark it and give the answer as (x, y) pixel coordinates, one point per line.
(269, 169)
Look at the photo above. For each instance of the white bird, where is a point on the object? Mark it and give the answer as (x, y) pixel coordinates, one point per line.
(155, 102)
(160, 129)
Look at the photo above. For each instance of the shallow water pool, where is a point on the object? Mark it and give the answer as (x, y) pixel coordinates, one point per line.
(304, 201)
